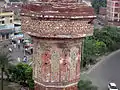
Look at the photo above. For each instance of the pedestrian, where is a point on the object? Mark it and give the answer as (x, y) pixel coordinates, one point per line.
(22, 41)
(18, 46)
(25, 59)
(13, 42)
(18, 59)
(10, 49)
(22, 88)
(31, 51)
(18, 41)
(14, 45)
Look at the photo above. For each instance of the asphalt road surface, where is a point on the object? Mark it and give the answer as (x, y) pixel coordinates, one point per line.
(15, 52)
(96, 25)
(107, 71)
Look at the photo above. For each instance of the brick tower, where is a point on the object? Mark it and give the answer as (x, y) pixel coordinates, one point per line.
(57, 30)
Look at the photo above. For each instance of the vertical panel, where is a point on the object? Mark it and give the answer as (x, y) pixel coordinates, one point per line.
(46, 64)
(78, 61)
(65, 65)
(74, 58)
(39, 60)
(55, 58)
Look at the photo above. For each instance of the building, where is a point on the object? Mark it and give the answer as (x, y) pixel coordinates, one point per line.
(113, 11)
(2, 2)
(16, 7)
(7, 1)
(57, 30)
(101, 17)
(10, 25)
(6, 23)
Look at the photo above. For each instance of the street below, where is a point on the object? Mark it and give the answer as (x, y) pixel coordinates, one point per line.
(107, 71)
(16, 52)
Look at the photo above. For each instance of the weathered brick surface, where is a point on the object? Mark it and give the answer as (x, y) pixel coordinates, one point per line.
(57, 20)
(58, 10)
(61, 29)
(57, 31)
(56, 62)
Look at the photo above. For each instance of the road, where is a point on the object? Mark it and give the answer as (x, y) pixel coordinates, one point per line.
(96, 25)
(16, 52)
(107, 71)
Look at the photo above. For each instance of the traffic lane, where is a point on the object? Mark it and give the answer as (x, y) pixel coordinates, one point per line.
(19, 53)
(16, 52)
(97, 25)
(107, 71)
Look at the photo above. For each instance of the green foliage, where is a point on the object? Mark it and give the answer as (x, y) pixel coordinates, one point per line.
(22, 73)
(96, 4)
(5, 58)
(92, 49)
(86, 85)
(105, 40)
(30, 81)
(110, 36)
(30, 84)
(99, 47)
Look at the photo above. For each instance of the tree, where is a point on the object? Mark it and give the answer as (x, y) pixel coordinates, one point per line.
(8, 71)
(86, 85)
(99, 47)
(88, 51)
(110, 36)
(28, 74)
(22, 73)
(105, 40)
(96, 4)
(92, 49)
(5, 58)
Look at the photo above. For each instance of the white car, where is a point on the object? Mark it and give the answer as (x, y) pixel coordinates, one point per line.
(112, 86)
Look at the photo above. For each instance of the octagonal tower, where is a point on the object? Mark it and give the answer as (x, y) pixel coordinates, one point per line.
(57, 30)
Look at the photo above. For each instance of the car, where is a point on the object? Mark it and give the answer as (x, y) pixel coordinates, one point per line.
(112, 86)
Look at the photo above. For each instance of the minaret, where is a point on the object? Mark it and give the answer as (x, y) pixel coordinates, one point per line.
(57, 30)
